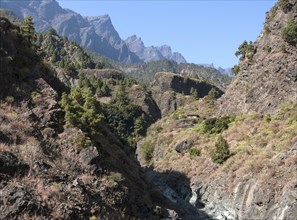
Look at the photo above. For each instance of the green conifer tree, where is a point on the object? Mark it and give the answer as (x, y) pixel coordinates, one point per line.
(27, 29)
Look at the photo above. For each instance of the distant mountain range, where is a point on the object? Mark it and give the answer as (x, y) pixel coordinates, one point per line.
(96, 33)
(148, 54)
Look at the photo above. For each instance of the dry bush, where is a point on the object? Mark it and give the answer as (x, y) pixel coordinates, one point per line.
(29, 151)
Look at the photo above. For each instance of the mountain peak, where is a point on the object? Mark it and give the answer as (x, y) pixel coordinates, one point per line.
(152, 53)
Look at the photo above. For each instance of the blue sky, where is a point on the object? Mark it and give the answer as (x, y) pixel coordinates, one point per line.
(204, 32)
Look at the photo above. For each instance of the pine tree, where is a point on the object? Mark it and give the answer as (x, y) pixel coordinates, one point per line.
(221, 152)
(27, 29)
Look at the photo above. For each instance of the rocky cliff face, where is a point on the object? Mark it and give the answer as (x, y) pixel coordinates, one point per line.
(148, 54)
(269, 77)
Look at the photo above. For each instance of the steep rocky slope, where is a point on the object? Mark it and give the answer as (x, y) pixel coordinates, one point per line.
(267, 77)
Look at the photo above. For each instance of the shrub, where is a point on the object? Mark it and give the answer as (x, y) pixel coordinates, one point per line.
(285, 5)
(267, 117)
(273, 11)
(9, 100)
(221, 152)
(148, 150)
(289, 33)
(267, 49)
(194, 152)
(80, 141)
(235, 70)
(115, 177)
(246, 50)
(35, 96)
(283, 48)
(194, 93)
(216, 125)
(212, 95)
(266, 30)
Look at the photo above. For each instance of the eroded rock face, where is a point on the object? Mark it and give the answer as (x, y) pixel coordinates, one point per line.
(269, 78)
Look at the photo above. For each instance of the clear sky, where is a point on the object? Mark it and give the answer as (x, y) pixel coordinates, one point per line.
(204, 32)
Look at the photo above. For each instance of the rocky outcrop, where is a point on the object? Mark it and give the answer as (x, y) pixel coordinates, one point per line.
(177, 83)
(172, 91)
(138, 96)
(269, 77)
(149, 54)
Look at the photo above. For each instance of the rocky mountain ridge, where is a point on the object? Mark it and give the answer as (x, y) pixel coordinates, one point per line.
(96, 33)
(148, 54)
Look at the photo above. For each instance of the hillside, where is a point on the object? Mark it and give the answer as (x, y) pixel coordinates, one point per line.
(51, 164)
(267, 72)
